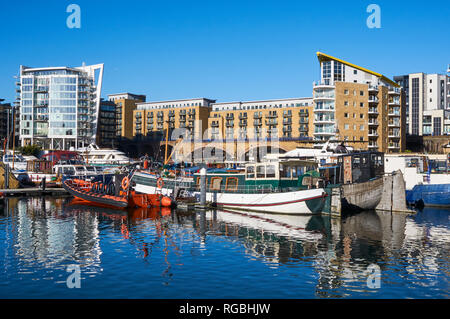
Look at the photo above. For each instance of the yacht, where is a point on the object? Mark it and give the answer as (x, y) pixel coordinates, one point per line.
(103, 156)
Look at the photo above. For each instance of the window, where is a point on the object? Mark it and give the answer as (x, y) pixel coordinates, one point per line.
(346, 103)
(346, 92)
(345, 114)
(270, 171)
(361, 93)
(250, 172)
(361, 127)
(361, 116)
(346, 126)
(232, 184)
(361, 104)
(355, 72)
(215, 183)
(260, 171)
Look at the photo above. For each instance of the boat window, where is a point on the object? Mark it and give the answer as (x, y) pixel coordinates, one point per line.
(260, 171)
(215, 183)
(69, 171)
(232, 184)
(79, 168)
(250, 172)
(270, 171)
(90, 168)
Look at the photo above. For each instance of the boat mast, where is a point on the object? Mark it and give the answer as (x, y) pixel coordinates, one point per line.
(167, 141)
(14, 137)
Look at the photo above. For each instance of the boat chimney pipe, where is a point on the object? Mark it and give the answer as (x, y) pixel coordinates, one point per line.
(203, 187)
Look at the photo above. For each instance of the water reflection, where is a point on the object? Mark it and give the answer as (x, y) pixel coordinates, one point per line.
(330, 255)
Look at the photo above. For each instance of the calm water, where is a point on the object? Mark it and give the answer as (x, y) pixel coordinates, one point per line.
(164, 254)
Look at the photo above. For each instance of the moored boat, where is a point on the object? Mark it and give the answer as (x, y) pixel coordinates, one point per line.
(115, 194)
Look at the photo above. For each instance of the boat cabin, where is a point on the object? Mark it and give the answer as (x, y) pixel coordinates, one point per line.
(354, 168)
(270, 175)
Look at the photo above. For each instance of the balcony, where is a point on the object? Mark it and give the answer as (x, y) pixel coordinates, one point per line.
(257, 116)
(230, 117)
(242, 116)
(394, 124)
(271, 115)
(303, 128)
(214, 124)
(303, 121)
(373, 122)
(373, 99)
(394, 135)
(373, 88)
(272, 122)
(394, 113)
(373, 145)
(393, 146)
(373, 110)
(373, 134)
(394, 102)
(327, 83)
(394, 90)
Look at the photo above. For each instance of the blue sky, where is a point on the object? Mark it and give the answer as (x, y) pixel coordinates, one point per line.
(226, 50)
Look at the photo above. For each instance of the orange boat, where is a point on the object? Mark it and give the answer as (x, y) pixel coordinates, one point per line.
(105, 194)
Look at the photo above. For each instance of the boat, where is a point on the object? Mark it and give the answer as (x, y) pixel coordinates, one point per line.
(357, 175)
(286, 187)
(117, 194)
(16, 162)
(427, 178)
(103, 156)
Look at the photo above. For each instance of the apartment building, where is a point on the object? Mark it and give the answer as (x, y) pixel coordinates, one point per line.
(106, 133)
(358, 106)
(428, 103)
(59, 106)
(190, 115)
(125, 105)
(273, 119)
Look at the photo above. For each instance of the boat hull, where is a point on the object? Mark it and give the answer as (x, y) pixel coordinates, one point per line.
(295, 202)
(362, 196)
(437, 195)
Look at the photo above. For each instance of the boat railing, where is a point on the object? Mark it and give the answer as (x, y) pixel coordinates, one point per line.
(245, 189)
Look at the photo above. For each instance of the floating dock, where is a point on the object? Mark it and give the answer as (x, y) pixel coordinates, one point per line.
(34, 191)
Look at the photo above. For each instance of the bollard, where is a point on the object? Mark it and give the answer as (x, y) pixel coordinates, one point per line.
(203, 187)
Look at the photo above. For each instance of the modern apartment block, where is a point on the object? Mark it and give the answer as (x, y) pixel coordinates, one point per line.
(106, 128)
(361, 107)
(125, 105)
(428, 103)
(277, 119)
(59, 106)
(5, 120)
(191, 115)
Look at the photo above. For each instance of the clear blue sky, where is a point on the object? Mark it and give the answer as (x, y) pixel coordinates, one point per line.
(226, 50)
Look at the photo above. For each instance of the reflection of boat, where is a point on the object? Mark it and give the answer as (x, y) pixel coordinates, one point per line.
(114, 194)
(299, 227)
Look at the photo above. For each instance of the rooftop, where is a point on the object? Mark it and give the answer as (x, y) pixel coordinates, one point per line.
(325, 57)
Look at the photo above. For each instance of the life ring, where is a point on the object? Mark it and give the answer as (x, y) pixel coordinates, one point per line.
(160, 183)
(125, 183)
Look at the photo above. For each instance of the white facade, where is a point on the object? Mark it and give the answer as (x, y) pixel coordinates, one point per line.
(59, 106)
(175, 104)
(264, 104)
(428, 105)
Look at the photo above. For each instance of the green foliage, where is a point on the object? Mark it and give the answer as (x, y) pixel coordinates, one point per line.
(31, 150)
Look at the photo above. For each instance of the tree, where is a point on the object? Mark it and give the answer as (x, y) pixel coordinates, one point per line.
(28, 150)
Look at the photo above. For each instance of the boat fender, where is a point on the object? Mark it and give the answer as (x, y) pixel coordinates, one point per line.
(160, 183)
(125, 183)
(166, 202)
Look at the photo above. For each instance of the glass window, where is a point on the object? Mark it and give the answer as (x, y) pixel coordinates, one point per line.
(270, 171)
(250, 172)
(260, 171)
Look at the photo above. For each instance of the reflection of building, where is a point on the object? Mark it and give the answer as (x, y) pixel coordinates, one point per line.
(59, 106)
(46, 237)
